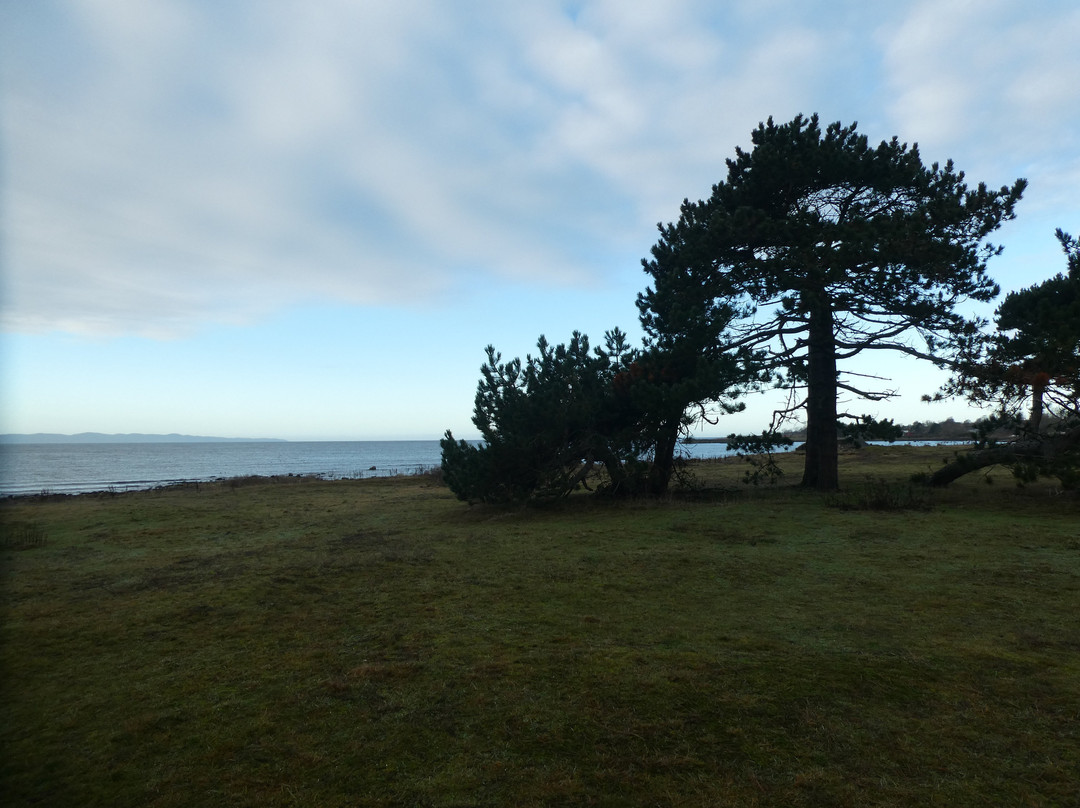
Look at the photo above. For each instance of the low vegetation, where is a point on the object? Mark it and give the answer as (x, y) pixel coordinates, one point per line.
(297, 642)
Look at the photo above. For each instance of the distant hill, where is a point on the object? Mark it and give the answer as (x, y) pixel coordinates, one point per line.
(98, 437)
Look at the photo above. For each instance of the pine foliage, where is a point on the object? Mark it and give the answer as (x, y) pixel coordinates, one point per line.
(1029, 372)
(549, 422)
(827, 247)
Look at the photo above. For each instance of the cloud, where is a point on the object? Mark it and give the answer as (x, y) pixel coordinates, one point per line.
(184, 163)
(991, 79)
(314, 150)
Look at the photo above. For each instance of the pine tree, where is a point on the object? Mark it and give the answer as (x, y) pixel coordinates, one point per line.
(827, 247)
(1032, 362)
(549, 421)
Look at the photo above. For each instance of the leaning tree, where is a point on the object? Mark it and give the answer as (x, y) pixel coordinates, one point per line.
(1029, 373)
(549, 421)
(829, 247)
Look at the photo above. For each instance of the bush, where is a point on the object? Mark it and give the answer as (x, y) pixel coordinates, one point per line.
(881, 495)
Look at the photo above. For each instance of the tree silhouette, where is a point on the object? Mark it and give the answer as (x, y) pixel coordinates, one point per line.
(826, 247)
(1032, 362)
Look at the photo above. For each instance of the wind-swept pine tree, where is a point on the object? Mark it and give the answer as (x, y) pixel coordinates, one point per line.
(551, 420)
(829, 247)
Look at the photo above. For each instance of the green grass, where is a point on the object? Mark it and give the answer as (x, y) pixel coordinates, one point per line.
(376, 642)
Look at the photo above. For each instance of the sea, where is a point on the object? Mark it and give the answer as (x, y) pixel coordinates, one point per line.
(77, 468)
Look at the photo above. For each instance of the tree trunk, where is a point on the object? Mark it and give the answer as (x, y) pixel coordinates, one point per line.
(965, 464)
(1007, 454)
(1038, 390)
(663, 459)
(821, 469)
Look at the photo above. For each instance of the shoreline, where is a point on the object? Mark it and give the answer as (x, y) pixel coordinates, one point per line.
(196, 484)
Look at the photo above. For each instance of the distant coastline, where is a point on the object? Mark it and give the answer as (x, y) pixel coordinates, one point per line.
(132, 437)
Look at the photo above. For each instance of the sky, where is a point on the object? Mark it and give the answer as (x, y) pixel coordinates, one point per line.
(306, 220)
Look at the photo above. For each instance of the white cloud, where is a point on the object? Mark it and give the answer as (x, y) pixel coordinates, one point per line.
(182, 182)
(189, 162)
(991, 79)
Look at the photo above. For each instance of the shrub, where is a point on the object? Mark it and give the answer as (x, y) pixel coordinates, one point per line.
(881, 495)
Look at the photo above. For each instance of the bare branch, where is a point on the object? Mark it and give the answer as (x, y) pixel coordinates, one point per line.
(884, 395)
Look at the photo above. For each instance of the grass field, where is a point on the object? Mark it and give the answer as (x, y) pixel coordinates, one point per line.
(375, 642)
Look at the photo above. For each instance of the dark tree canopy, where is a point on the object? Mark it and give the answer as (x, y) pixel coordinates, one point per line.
(1032, 362)
(549, 421)
(540, 419)
(826, 247)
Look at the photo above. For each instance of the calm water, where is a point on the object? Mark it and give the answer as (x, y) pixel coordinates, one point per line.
(72, 468)
(69, 468)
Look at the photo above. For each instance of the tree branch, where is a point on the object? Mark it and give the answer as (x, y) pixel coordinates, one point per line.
(870, 396)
